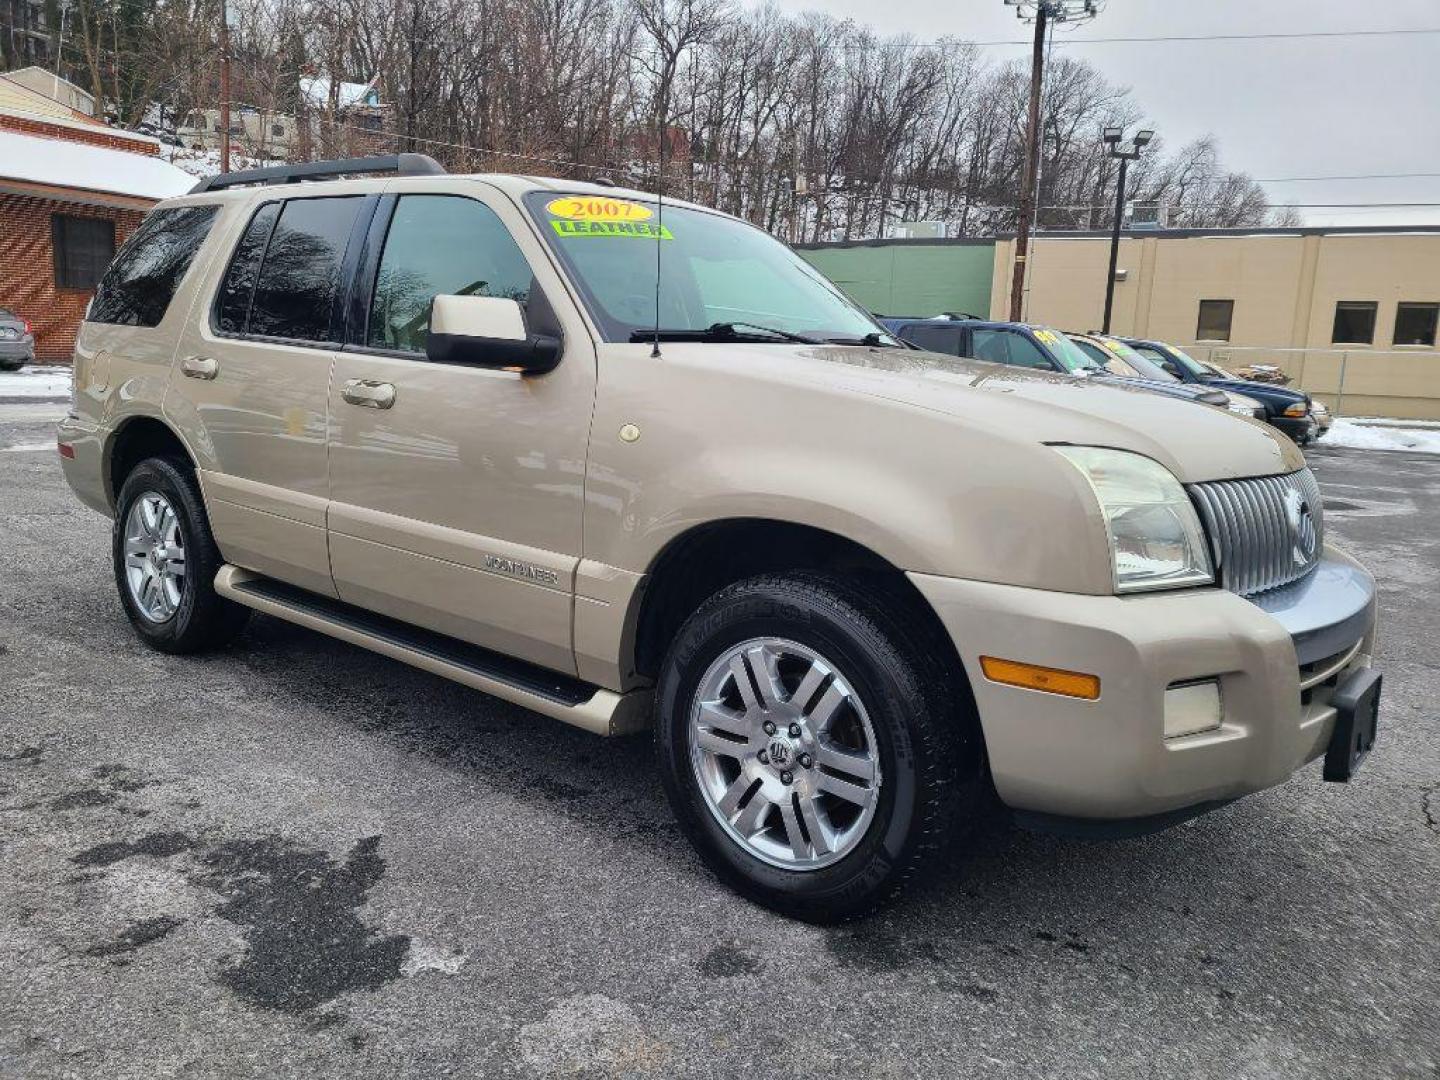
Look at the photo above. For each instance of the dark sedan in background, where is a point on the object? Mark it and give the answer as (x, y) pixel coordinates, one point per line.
(17, 343)
(1288, 410)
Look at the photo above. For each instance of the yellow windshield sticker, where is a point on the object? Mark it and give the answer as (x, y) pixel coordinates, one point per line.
(1046, 336)
(1113, 346)
(641, 229)
(598, 208)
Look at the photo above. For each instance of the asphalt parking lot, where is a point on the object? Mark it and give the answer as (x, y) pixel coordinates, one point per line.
(297, 859)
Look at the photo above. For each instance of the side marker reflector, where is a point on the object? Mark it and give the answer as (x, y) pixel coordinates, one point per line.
(1074, 684)
(66, 450)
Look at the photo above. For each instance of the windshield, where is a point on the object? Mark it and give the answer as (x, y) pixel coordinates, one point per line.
(713, 270)
(1072, 358)
(1188, 362)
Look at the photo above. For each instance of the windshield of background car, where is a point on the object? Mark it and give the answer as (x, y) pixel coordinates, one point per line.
(1072, 358)
(1112, 359)
(1189, 363)
(713, 269)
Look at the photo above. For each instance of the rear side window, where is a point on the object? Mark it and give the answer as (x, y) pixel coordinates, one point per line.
(294, 291)
(141, 282)
(941, 339)
(232, 307)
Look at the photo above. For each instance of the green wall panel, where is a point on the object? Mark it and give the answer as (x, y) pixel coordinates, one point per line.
(904, 277)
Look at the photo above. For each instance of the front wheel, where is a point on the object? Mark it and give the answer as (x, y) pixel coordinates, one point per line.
(813, 743)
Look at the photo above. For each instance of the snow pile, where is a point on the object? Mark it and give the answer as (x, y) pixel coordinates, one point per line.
(36, 383)
(203, 163)
(1374, 436)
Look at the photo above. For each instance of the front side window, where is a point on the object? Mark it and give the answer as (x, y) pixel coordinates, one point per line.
(712, 270)
(1008, 347)
(1214, 320)
(1354, 322)
(83, 249)
(440, 245)
(1415, 323)
(295, 291)
(141, 282)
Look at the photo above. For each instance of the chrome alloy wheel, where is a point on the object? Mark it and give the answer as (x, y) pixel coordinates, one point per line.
(154, 557)
(784, 753)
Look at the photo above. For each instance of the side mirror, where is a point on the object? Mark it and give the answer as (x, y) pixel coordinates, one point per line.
(1173, 368)
(488, 331)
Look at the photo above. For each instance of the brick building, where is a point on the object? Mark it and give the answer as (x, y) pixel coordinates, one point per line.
(71, 190)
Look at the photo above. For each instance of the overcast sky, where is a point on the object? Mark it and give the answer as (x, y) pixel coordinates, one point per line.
(1300, 107)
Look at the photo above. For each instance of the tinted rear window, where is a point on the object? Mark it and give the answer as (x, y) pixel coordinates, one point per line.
(232, 305)
(141, 282)
(294, 294)
(941, 339)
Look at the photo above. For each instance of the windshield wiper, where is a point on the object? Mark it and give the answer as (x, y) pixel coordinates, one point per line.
(723, 331)
(874, 340)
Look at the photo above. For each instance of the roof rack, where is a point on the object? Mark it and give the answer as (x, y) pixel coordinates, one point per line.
(400, 164)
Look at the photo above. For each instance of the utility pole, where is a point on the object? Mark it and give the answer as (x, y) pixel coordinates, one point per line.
(1126, 154)
(1043, 13)
(224, 87)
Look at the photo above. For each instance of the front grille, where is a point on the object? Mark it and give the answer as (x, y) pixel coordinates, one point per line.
(1265, 531)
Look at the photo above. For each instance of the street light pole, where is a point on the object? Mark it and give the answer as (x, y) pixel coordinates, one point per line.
(1127, 153)
(1042, 13)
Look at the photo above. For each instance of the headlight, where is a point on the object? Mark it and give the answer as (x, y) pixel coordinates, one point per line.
(1298, 409)
(1156, 541)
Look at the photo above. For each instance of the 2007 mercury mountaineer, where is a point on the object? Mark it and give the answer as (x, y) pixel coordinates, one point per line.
(852, 584)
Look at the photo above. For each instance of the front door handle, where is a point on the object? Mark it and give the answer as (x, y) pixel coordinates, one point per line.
(370, 394)
(200, 367)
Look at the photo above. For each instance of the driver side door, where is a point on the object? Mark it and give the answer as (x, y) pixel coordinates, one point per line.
(457, 491)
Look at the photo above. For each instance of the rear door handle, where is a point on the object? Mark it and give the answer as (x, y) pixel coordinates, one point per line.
(370, 394)
(200, 367)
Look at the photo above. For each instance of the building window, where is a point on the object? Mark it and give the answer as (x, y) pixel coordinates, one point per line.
(1354, 322)
(1415, 323)
(83, 247)
(367, 122)
(1214, 321)
(277, 130)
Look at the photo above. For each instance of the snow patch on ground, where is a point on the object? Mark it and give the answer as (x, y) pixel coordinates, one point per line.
(431, 958)
(35, 381)
(1372, 436)
(590, 1035)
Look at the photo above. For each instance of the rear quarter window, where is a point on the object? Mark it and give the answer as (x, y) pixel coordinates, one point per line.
(139, 285)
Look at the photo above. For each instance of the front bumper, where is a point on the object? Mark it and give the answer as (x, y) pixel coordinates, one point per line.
(1276, 661)
(1299, 428)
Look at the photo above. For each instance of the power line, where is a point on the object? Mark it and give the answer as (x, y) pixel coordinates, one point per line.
(1280, 36)
(1357, 176)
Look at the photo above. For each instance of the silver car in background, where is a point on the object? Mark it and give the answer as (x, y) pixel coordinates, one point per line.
(17, 343)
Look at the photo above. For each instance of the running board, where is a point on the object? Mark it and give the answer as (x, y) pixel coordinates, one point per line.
(562, 697)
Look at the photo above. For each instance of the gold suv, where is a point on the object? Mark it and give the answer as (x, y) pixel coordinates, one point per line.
(631, 462)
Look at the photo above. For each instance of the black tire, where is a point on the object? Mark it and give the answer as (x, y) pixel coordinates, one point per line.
(203, 619)
(928, 739)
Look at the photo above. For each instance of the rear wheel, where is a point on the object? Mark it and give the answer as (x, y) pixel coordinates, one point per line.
(166, 560)
(813, 743)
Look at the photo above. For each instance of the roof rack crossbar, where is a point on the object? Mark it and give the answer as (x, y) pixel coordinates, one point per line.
(400, 164)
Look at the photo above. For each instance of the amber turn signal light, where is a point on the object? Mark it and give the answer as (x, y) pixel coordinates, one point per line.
(1074, 684)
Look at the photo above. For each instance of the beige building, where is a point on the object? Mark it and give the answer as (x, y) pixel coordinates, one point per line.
(1350, 314)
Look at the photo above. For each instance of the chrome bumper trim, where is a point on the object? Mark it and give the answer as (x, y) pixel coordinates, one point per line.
(1327, 611)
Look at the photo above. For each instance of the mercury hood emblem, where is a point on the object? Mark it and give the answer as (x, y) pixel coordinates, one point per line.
(1303, 534)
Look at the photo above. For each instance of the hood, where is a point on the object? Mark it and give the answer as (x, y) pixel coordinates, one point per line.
(1169, 387)
(1197, 443)
(1259, 390)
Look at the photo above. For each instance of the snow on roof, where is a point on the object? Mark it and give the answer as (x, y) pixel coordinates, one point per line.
(90, 168)
(317, 93)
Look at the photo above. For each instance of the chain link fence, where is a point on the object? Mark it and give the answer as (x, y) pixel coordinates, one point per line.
(1398, 383)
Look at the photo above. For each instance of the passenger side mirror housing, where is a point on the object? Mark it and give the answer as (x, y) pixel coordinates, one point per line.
(1173, 368)
(488, 331)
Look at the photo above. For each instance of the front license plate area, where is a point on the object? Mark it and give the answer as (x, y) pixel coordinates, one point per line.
(1357, 710)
